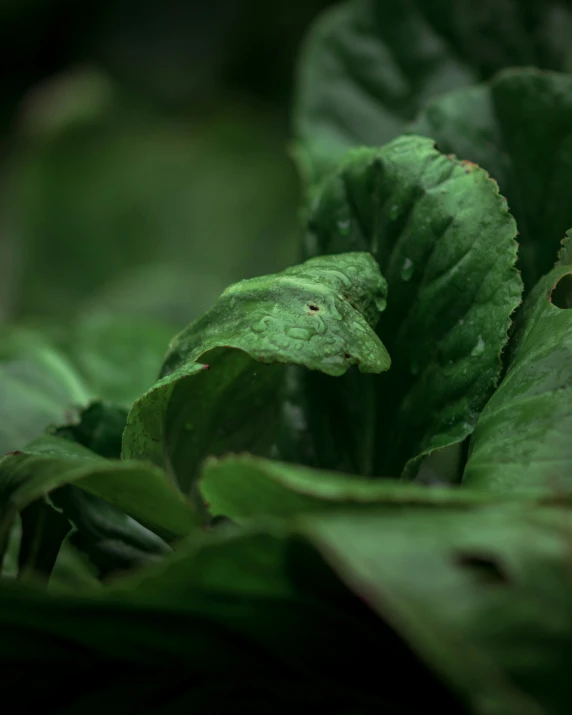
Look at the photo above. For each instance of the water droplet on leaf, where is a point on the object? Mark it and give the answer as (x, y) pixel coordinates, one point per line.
(479, 348)
(262, 325)
(299, 333)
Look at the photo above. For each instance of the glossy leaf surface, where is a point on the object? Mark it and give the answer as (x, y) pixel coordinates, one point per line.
(231, 380)
(523, 438)
(519, 128)
(444, 240)
(369, 66)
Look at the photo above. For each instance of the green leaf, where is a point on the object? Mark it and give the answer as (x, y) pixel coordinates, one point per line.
(141, 491)
(519, 128)
(257, 604)
(99, 428)
(111, 540)
(444, 239)
(483, 596)
(522, 438)
(43, 532)
(245, 487)
(368, 66)
(38, 387)
(230, 380)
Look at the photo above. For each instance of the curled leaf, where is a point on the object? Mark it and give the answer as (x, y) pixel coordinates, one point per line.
(231, 379)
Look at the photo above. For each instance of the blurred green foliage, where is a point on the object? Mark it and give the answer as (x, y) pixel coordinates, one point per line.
(144, 154)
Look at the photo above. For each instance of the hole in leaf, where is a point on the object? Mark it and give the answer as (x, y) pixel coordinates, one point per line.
(313, 307)
(561, 295)
(484, 566)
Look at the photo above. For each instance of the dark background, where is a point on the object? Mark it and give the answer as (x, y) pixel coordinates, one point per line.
(144, 152)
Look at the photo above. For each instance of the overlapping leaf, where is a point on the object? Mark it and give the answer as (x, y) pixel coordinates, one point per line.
(484, 596)
(519, 128)
(244, 487)
(368, 66)
(247, 611)
(523, 438)
(141, 491)
(481, 596)
(233, 380)
(444, 240)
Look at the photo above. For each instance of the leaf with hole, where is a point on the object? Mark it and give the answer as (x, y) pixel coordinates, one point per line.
(483, 596)
(523, 437)
(246, 376)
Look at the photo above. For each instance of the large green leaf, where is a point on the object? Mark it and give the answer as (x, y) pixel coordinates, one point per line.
(524, 436)
(368, 66)
(484, 596)
(38, 387)
(245, 487)
(444, 240)
(141, 491)
(519, 128)
(366, 69)
(230, 380)
(248, 624)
